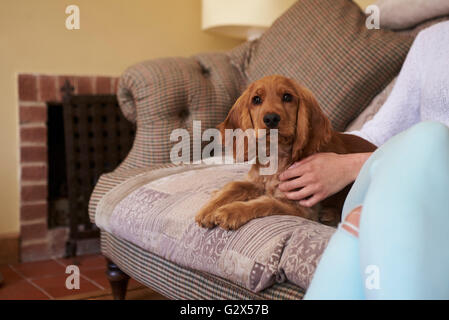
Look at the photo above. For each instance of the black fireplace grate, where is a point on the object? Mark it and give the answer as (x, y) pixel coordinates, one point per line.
(97, 139)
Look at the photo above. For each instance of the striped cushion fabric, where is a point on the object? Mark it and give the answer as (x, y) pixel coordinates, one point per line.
(175, 282)
(325, 45)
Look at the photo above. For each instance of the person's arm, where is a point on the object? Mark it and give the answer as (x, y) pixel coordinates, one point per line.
(320, 176)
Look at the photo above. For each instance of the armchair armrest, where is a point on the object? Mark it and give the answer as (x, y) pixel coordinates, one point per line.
(165, 94)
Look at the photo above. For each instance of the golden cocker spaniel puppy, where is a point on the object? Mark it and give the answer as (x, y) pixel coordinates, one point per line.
(276, 102)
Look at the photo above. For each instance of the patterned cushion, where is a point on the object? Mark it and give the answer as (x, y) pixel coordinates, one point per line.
(155, 210)
(325, 45)
(168, 278)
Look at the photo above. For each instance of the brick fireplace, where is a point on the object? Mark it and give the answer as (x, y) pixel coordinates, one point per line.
(36, 92)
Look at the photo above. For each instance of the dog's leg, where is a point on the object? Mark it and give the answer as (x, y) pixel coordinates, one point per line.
(233, 191)
(232, 216)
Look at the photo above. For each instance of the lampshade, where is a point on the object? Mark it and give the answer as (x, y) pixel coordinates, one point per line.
(243, 19)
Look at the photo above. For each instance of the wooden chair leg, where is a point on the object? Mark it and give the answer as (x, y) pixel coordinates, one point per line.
(118, 280)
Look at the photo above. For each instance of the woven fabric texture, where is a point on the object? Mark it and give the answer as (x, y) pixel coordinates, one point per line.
(176, 282)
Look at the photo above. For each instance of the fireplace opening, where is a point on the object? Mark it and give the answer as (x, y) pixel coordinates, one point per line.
(87, 137)
(49, 177)
(58, 202)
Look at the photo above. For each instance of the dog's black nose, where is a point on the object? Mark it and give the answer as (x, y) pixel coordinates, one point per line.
(271, 120)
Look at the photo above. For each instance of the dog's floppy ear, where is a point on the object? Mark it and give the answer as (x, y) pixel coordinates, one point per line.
(238, 116)
(313, 128)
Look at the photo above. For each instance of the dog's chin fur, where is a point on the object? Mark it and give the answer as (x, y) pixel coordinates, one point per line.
(271, 182)
(285, 145)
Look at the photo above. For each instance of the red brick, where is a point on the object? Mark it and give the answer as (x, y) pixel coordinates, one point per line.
(34, 252)
(34, 193)
(33, 211)
(103, 85)
(36, 134)
(33, 154)
(33, 231)
(114, 85)
(27, 87)
(33, 114)
(85, 85)
(34, 173)
(47, 88)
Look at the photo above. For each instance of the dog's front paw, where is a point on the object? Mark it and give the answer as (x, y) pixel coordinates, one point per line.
(205, 219)
(229, 219)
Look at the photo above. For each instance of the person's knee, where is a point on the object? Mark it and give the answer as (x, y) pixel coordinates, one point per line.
(423, 145)
(431, 131)
(427, 136)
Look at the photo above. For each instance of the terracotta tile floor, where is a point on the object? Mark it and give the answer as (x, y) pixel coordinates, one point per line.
(46, 279)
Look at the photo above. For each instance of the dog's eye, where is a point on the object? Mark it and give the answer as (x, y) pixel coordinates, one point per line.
(257, 100)
(287, 97)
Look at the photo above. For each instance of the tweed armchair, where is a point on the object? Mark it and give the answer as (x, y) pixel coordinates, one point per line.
(160, 108)
(165, 94)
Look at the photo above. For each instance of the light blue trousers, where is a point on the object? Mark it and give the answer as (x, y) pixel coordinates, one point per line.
(402, 250)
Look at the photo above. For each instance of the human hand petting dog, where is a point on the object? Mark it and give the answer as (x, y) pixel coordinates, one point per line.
(320, 175)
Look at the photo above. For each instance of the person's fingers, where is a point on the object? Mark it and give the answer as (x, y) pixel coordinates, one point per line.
(301, 194)
(294, 165)
(293, 173)
(312, 201)
(299, 163)
(300, 182)
(308, 159)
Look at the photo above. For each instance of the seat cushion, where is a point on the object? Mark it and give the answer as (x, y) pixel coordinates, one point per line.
(155, 210)
(326, 46)
(176, 282)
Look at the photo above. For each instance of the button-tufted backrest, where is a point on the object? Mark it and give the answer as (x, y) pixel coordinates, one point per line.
(166, 94)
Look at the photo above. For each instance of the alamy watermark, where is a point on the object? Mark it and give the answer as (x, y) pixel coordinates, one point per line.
(373, 17)
(372, 280)
(72, 22)
(72, 282)
(248, 146)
